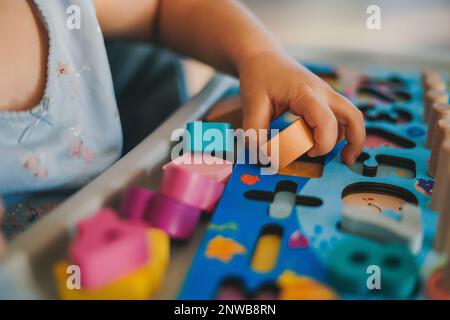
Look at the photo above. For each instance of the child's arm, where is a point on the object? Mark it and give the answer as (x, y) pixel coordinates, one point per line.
(224, 34)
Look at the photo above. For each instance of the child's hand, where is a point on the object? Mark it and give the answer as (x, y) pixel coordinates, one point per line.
(225, 35)
(272, 83)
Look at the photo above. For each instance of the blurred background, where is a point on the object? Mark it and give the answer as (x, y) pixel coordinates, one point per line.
(407, 26)
(413, 31)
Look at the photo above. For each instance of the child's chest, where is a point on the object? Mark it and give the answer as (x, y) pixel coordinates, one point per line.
(23, 56)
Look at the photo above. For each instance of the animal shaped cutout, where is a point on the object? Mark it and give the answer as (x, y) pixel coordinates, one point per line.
(377, 137)
(381, 113)
(383, 165)
(388, 90)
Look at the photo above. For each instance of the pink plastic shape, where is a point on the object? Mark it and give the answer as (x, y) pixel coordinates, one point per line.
(191, 188)
(107, 248)
(134, 203)
(177, 219)
(204, 163)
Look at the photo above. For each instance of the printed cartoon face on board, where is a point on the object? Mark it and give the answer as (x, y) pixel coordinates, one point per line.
(377, 202)
(379, 197)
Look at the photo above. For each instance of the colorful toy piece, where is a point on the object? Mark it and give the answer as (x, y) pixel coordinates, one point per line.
(191, 188)
(106, 248)
(297, 287)
(134, 203)
(267, 249)
(139, 284)
(290, 143)
(388, 181)
(406, 231)
(259, 248)
(156, 210)
(177, 219)
(206, 164)
(209, 136)
(351, 258)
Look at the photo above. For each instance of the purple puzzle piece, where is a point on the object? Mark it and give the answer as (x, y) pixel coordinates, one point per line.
(177, 219)
(134, 203)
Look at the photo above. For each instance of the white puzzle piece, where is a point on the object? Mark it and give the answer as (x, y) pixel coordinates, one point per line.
(365, 222)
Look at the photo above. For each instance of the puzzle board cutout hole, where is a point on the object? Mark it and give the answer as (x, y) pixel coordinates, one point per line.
(377, 113)
(384, 166)
(233, 288)
(384, 90)
(283, 200)
(304, 167)
(377, 137)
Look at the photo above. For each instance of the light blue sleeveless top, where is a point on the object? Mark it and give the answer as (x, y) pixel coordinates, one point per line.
(74, 133)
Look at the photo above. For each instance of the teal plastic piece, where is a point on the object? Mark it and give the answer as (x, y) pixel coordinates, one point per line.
(354, 262)
(210, 136)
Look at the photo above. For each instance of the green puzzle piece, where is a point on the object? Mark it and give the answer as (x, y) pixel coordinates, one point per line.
(354, 262)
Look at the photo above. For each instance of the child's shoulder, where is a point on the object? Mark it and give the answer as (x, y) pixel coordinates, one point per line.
(23, 56)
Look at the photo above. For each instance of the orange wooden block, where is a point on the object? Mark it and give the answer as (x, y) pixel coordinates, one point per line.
(291, 143)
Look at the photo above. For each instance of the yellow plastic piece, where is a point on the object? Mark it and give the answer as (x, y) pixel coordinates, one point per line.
(266, 253)
(223, 248)
(295, 287)
(139, 285)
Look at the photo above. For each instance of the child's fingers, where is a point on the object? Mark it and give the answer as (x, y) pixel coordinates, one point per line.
(341, 133)
(352, 119)
(320, 118)
(257, 113)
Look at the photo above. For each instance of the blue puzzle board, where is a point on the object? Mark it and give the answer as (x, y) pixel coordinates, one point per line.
(319, 224)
